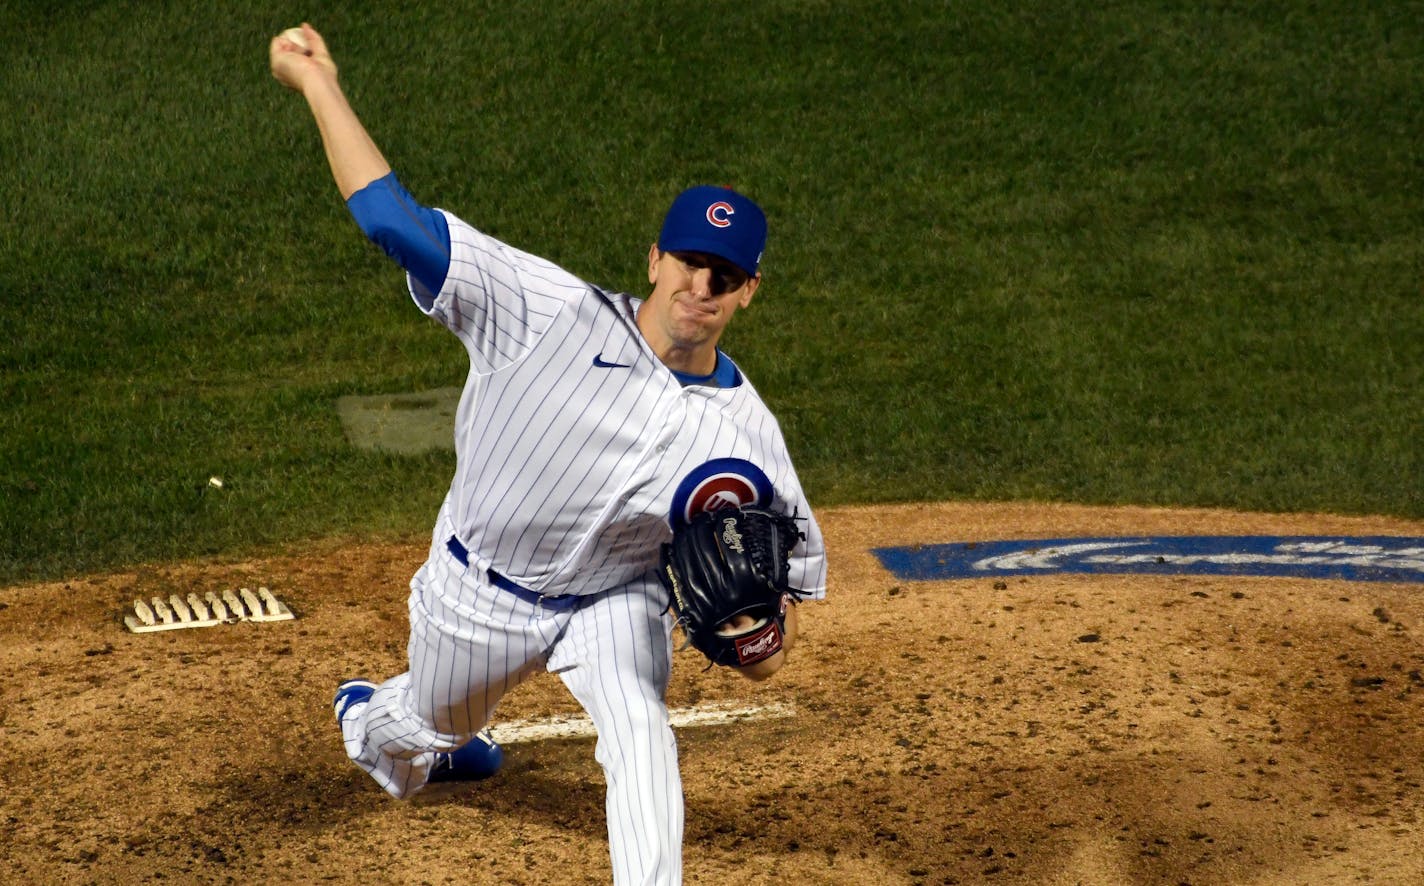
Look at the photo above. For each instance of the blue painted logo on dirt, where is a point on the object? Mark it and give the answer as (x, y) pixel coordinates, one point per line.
(1373, 558)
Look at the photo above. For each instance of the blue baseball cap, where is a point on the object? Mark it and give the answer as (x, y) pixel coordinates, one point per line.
(717, 221)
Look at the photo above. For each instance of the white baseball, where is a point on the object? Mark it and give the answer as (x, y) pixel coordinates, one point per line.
(296, 36)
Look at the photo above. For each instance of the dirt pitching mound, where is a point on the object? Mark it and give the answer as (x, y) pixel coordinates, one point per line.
(1046, 729)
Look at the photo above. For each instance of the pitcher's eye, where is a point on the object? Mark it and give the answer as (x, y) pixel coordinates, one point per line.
(728, 279)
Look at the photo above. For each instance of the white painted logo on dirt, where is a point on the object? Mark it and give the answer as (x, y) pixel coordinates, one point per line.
(1044, 558)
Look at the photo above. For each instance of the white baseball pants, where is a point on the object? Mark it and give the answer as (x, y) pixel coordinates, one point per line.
(471, 642)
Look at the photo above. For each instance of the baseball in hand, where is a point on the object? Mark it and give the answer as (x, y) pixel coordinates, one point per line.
(296, 36)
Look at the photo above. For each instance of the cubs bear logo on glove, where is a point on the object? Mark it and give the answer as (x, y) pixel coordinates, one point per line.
(727, 563)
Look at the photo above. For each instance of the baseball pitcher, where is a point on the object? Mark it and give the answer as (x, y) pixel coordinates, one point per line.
(616, 475)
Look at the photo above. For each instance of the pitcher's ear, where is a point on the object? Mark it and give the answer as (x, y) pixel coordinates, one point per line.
(750, 290)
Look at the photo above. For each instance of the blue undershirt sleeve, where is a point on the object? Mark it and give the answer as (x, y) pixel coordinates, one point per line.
(416, 236)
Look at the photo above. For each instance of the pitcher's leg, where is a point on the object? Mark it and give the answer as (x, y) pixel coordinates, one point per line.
(615, 658)
(389, 741)
(470, 643)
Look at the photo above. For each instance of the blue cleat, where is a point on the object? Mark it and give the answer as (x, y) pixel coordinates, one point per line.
(478, 759)
(350, 693)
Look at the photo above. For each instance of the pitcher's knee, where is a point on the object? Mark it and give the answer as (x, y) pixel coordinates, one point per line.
(621, 746)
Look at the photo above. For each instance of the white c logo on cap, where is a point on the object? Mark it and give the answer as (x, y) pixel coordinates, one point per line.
(717, 214)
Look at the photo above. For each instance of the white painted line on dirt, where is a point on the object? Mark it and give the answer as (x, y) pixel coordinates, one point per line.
(516, 731)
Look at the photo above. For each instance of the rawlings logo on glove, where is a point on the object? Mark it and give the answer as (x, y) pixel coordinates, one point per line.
(730, 537)
(729, 563)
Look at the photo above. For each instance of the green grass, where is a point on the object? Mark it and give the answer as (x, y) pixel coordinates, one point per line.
(1155, 252)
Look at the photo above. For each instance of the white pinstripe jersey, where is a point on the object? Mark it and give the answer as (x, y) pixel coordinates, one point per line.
(572, 438)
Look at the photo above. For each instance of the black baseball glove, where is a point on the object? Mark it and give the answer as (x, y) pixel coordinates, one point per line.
(728, 563)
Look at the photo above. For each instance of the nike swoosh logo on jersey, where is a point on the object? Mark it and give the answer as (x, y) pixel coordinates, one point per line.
(604, 364)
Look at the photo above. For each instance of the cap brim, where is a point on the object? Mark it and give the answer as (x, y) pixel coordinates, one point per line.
(711, 247)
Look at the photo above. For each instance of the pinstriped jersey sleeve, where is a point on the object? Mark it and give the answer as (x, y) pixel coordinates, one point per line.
(807, 566)
(497, 299)
(807, 570)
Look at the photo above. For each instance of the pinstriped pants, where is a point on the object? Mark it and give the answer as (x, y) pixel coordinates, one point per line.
(471, 642)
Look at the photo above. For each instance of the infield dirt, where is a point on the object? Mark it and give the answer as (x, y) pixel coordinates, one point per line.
(1054, 729)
